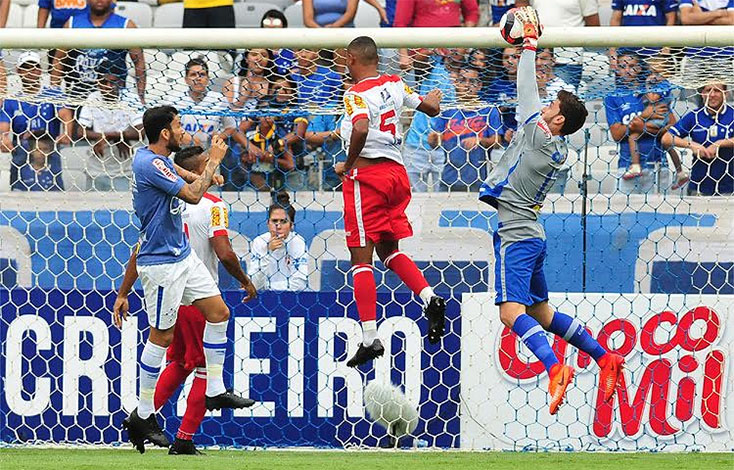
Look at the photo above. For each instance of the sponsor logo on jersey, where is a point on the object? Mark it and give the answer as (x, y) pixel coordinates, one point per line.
(544, 127)
(348, 105)
(641, 10)
(359, 102)
(408, 90)
(220, 217)
(167, 172)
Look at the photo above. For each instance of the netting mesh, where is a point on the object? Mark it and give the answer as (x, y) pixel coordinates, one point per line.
(655, 244)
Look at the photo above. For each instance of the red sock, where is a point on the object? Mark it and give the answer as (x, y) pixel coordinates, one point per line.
(365, 292)
(195, 407)
(171, 378)
(407, 271)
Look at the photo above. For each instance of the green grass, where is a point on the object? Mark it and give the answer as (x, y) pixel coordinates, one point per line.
(127, 459)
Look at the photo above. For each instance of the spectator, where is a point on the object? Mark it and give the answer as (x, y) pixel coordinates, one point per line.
(500, 7)
(642, 13)
(291, 129)
(251, 85)
(113, 132)
(4, 12)
(279, 256)
(466, 135)
(38, 114)
(282, 58)
(60, 12)
(81, 77)
(316, 85)
(709, 132)
(323, 137)
(329, 13)
(204, 112)
(269, 157)
(423, 162)
(568, 13)
(626, 114)
(706, 12)
(36, 175)
(208, 14)
(431, 13)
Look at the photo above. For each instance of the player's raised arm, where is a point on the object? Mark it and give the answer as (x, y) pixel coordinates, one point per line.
(429, 104)
(193, 192)
(528, 100)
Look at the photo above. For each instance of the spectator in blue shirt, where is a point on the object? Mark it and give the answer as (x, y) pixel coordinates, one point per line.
(316, 85)
(37, 113)
(643, 12)
(423, 162)
(466, 134)
(59, 10)
(37, 175)
(627, 114)
(282, 58)
(707, 12)
(709, 132)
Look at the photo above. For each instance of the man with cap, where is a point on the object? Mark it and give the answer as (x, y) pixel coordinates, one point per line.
(40, 113)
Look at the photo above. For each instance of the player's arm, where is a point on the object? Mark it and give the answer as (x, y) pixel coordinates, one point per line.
(429, 104)
(231, 262)
(122, 306)
(4, 12)
(528, 99)
(193, 192)
(138, 58)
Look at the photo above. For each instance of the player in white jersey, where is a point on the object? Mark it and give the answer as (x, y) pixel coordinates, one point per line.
(376, 190)
(205, 225)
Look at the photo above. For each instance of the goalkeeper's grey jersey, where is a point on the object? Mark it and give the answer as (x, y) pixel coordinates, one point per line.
(522, 178)
(527, 170)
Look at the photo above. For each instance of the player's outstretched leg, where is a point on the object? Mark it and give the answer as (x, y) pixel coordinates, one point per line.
(142, 424)
(365, 296)
(171, 378)
(195, 411)
(610, 364)
(406, 269)
(215, 346)
(533, 335)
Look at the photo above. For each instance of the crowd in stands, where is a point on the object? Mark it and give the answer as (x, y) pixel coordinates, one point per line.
(279, 108)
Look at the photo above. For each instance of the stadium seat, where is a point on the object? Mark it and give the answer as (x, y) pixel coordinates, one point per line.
(73, 162)
(156, 60)
(294, 15)
(279, 4)
(140, 13)
(248, 15)
(15, 16)
(366, 17)
(152, 3)
(5, 172)
(169, 15)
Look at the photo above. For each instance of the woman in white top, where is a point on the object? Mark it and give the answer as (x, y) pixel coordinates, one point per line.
(251, 85)
(279, 258)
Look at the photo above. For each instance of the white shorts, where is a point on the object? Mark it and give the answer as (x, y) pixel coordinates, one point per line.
(168, 286)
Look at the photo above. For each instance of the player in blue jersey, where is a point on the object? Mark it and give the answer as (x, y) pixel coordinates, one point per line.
(517, 188)
(170, 272)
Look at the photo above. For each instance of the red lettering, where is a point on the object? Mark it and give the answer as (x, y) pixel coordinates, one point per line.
(388, 126)
(515, 367)
(627, 328)
(647, 335)
(709, 336)
(713, 382)
(655, 383)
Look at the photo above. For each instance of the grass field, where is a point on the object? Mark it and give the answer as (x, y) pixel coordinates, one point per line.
(70, 459)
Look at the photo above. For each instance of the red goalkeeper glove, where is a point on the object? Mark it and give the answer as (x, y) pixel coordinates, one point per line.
(531, 27)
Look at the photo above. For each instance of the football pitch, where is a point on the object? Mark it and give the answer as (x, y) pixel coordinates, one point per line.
(110, 459)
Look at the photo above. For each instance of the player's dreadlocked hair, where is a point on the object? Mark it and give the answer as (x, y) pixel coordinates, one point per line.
(281, 200)
(573, 109)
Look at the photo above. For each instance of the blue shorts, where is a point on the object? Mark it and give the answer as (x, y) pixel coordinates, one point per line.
(518, 271)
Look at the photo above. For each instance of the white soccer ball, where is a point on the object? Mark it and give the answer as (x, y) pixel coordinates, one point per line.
(510, 29)
(388, 406)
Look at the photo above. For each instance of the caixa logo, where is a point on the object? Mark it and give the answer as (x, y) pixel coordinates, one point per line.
(176, 206)
(679, 378)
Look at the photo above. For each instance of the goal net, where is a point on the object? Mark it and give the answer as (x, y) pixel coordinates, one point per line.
(642, 255)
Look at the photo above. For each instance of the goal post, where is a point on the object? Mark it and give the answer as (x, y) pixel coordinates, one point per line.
(647, 268)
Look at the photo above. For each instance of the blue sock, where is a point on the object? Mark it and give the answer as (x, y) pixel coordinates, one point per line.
(533, 335)
(574, 332)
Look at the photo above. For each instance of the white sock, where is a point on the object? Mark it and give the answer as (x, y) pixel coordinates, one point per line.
(215, 347)
(150, 368)
(369, 332)
(426, 295)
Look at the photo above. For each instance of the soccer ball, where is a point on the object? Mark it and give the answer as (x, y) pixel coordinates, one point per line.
(510, 29)
(388, 406)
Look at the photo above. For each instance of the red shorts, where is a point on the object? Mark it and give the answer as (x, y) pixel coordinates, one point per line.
(187, 347)
(375, 199)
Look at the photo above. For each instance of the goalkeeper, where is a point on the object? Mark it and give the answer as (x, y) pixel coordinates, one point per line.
(517, 188)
